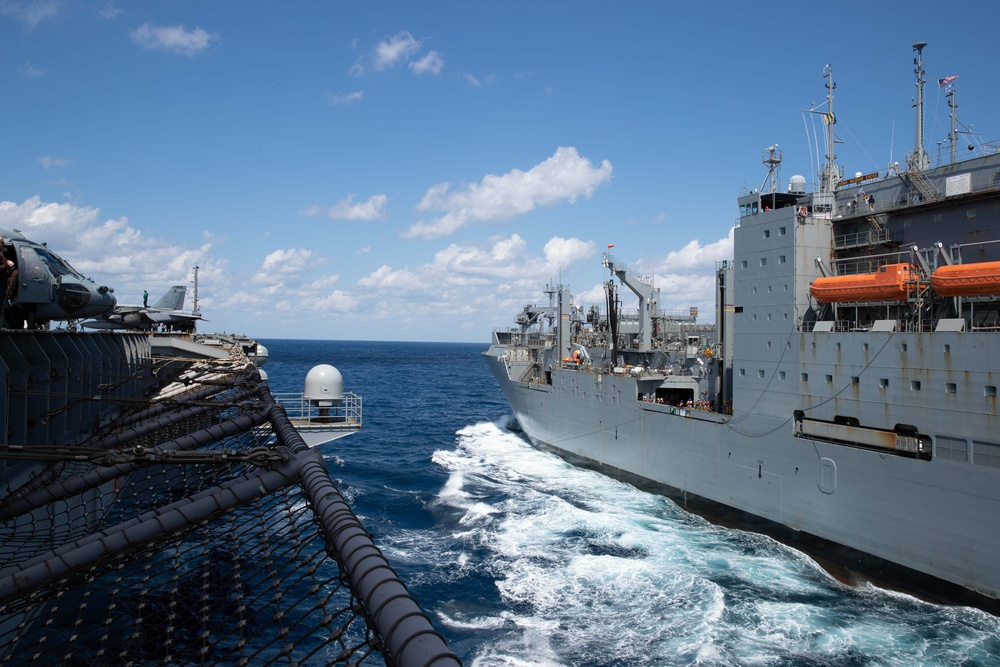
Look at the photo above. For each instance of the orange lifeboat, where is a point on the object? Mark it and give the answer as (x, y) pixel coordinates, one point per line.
(978, 279)
(889, 283)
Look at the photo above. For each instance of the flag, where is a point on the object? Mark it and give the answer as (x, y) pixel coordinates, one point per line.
(611, 245)
(830, 118)
(861, 191)
(945, 81)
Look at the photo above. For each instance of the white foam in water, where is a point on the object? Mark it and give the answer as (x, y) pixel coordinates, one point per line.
(593, 571)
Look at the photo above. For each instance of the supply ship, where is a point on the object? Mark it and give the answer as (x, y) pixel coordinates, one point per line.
(844, 401)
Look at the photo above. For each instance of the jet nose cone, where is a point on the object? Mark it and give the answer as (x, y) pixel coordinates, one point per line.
(84, 299)
(102, 300)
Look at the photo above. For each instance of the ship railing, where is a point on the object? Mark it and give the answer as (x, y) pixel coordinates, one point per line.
(867, 238)
(346, 410)
(526, 338)
(854, 265)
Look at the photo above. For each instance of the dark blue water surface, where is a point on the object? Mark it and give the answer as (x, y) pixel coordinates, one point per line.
(522, 559)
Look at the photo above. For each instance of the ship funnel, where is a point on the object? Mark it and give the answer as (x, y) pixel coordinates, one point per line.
(324, 386)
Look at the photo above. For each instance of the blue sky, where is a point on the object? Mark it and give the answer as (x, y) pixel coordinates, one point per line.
(419, 171)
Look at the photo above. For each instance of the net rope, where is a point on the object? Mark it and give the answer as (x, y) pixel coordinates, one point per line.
(214, 536)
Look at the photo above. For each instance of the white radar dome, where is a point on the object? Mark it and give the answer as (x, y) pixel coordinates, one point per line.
(324, 385)
(797, 185)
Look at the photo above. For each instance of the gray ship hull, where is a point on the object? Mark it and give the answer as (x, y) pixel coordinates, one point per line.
(898, 520)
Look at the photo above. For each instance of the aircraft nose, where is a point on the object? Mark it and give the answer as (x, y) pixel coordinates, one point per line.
(84, 300)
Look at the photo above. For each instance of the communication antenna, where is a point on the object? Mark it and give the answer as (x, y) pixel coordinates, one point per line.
(194, 307)
(919, 159)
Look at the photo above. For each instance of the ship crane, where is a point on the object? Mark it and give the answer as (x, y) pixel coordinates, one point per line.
(642, 288)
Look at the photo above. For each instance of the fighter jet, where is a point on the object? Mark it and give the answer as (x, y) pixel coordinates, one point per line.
(38, 286)
(168, 312)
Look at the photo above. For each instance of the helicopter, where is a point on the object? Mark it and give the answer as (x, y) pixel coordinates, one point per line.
(47, 288)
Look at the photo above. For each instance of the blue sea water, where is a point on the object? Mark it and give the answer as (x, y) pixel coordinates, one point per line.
(522, 559)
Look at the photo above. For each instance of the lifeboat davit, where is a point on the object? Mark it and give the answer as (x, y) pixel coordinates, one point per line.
(977, 279)
(889, 283)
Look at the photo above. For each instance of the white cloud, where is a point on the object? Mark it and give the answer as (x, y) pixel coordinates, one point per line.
(486, 268)
(385, 277)
(562, 252)
(31, 72)
(283, 262)
(173, 39)
(337, 301)
(696, 257)
(395, 49)
(372, 208)
(432, 63)
(472, 81)
(325, 282)
(30, 12)
(563, 177)
(108, 11)
(49, 162)
(345, 99)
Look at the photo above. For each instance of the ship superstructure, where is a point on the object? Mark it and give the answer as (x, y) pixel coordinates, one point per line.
(845, 399)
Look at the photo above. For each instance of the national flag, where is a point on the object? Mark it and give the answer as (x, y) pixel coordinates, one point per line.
(945, 81)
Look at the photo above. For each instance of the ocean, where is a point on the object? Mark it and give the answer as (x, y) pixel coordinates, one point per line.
(522, 559)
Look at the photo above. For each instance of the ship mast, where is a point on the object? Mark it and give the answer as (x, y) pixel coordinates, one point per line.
(831, 175)
(919, 159)
(953, 135)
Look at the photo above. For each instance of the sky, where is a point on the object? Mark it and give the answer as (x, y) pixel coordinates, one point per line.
(420, 171)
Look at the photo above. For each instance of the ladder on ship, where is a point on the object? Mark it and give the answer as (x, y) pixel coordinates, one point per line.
(927, 191)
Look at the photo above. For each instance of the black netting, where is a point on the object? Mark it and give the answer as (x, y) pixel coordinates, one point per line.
(199, 530)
